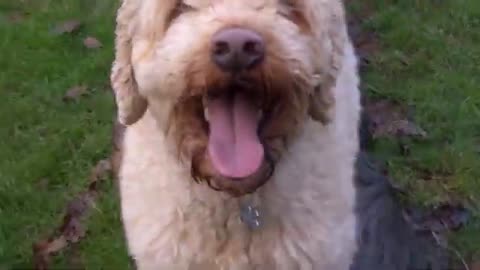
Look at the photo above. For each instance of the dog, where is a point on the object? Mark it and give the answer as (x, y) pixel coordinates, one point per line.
(241, 134)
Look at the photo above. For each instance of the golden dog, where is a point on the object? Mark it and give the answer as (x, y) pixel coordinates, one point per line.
(241, 137)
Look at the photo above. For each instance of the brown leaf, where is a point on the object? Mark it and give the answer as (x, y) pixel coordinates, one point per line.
(389, 119)
(16, 17)
(53, 246)
(43, 249)
(444, 217)
(69, 26)
(399, 128)
(101, 171)
(72, 229)
(77, 207)
(75, 93)
(92, 43)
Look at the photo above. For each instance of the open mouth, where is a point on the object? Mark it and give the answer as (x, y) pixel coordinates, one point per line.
(234, 146)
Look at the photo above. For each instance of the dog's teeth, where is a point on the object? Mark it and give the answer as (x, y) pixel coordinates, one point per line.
(205, 106)
(205, 114)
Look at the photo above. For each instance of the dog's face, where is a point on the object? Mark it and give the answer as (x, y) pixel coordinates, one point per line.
(230, 82)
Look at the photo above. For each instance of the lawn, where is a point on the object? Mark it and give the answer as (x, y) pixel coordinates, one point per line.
(429, 58)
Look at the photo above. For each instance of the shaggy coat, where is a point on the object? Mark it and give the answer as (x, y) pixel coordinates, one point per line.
(177, 212)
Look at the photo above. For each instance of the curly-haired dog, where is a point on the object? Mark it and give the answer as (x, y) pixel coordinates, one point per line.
(242, 133)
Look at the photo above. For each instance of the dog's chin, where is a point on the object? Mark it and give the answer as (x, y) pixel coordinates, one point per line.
(242, 186)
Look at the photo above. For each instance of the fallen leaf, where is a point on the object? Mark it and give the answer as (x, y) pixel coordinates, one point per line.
(69, 27)
(16, 17)
(389, 119)
(399, 128)
(77, 207)
(101, 171)
(75, 93)
(92, 43)
(53, 246)
(43, 249)
(72, 229)
(445, 217)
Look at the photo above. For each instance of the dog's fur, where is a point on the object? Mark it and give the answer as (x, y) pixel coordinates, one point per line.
(178, 212)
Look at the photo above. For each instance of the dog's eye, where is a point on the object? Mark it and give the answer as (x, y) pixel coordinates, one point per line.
(287, 2)
(180, 8)
(287, 7)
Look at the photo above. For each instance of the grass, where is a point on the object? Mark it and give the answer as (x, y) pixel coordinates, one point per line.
(430, 58)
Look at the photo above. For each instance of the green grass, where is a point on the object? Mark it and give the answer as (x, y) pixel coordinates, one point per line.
(430, 58)
(47, 145)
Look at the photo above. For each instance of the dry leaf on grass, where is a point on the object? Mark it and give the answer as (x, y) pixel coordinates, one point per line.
(445, 217)
(92, 43)
(102, 170)
(15, 17)
(67, 27)
(400, 128)
(42, 251)
(72, 229)
(439, 220)
(75, 93)
(389, 119)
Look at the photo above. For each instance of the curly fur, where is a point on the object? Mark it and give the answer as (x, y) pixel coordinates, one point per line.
(309, 86)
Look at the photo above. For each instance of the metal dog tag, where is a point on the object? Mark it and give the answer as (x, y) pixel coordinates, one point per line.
(250, 215)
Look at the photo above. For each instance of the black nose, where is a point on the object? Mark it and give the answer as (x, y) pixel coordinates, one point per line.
(236, 49)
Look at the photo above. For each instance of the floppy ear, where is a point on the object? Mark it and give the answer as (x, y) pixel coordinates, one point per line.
(333, 39)
(130, 105)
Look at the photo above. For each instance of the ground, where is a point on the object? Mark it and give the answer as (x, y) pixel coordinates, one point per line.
(428, 58)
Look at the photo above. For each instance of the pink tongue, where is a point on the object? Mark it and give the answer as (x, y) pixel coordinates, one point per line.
(233, 145)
